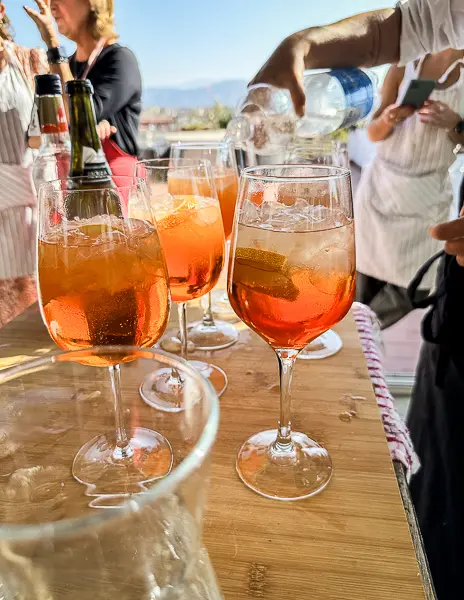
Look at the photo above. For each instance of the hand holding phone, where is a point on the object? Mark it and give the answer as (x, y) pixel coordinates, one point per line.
(395, 114)
(440, 115)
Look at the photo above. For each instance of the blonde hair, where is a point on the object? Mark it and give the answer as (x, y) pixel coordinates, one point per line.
(6, 32)
(101, 20)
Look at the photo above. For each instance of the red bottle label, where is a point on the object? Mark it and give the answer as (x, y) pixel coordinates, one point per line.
(61, 125)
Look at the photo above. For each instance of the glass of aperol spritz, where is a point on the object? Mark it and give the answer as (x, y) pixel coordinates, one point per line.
(102, 281)
(211, 333)
(185, 206)
(291, 277)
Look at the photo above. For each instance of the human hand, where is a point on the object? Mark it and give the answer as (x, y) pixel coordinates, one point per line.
(439, 114)
(395, 114)
(285, 69)
(105, 130)
(452, 233)
(44, 21)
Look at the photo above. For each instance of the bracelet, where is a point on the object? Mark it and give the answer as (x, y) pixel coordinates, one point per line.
(56, 56)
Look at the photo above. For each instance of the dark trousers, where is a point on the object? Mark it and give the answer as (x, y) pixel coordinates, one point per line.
(436, 422)
(389, 302)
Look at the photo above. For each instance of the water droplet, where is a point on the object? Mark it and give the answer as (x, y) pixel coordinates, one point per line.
(345, 417)
(274, 388)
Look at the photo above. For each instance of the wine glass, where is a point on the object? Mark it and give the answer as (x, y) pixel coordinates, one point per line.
(291, 277)
(186, 208)
(211, 334)
(102, 281)
(320, 151)
(145, 545)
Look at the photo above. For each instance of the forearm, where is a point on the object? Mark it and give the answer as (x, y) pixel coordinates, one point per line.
(364, 40)
(379, 130)
(62, 69)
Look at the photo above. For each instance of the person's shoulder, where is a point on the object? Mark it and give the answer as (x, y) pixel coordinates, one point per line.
(118, 52)
(38, 61)
(32, 60)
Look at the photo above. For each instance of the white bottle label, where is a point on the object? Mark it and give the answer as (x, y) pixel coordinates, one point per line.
(34, 125)
(92, 157)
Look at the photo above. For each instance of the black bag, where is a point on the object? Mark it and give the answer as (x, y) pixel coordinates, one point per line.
(444, 323)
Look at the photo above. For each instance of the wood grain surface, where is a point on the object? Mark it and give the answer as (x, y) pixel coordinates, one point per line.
(352, 541)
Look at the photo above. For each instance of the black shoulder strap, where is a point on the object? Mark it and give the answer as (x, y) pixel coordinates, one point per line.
(415, 283)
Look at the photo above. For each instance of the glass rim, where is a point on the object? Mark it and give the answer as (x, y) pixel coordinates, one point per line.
(337, 173)
(202, 145)
(161, 487)
(165, 164)
(135, 181)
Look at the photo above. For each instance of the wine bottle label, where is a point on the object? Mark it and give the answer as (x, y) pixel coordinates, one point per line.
(59, 123)
(94, 164)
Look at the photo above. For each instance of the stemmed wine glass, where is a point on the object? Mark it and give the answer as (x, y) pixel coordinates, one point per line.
(291, 277)
(210, 333)
(186, 208)
(102, 281)
(320, 151)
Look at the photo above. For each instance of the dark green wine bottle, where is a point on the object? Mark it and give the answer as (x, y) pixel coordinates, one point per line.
(89, 167)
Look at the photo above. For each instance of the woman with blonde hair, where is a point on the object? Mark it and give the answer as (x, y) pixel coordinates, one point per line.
(112, 69)
(18, 66)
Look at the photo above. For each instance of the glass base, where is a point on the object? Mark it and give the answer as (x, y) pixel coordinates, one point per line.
(163, 391)
(212, 337)
(109, 472)
(301, 473)
(220, 305)
(327, 344)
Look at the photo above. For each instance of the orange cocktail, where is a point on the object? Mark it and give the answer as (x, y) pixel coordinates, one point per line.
(291, 277)
(226, 182)
(103, 284)
(192, 237)
(292, 286)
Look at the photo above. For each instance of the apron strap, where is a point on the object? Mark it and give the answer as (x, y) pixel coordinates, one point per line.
(418, 69)
(93, 57)
(449, 70)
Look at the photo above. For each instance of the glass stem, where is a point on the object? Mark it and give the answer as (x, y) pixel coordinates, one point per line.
(176, 378)
(182, 312)
(286, 360)
(208, 317)
(123, 448)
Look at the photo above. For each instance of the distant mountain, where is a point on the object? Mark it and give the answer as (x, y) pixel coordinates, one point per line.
(224, 92)
(191, 85)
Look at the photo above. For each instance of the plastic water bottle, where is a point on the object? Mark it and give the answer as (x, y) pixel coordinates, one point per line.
(336, 99)
(264, 120)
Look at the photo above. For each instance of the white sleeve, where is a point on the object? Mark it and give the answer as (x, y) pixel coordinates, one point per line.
(430, 26)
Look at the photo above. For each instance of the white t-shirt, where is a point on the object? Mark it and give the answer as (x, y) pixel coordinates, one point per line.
(429, 26)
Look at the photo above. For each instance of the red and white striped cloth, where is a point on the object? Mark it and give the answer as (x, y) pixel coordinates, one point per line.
(399, 440)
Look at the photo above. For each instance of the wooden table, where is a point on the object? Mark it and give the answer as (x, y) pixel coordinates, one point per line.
(352, 541)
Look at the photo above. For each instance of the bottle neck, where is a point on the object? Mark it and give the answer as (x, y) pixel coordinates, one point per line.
(53, 125)
(87, 156)
(53, 143)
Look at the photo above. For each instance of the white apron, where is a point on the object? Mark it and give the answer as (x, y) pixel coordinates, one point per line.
(17, 198)
(403, 192)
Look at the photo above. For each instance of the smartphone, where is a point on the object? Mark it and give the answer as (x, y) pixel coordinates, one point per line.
(417, 93)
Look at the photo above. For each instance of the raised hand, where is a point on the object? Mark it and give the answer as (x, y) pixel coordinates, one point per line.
(44, 20)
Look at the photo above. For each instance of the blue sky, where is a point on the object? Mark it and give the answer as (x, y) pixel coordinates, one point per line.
(179, 41)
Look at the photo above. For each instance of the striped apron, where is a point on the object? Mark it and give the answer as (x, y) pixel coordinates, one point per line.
(17, 197)
(403, 191)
